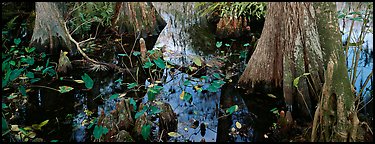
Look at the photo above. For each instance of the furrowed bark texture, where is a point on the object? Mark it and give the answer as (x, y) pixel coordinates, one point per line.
(49, 29)
(137, 17)
(288, 48)
(337, 119)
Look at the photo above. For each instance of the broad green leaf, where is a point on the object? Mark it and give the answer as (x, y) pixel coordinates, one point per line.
(160, 63)
(22, 90)
(30, 74)
(243, 54)
(155, 110)
(187, 96)
(114, 96)
(219, 44)
(133, 103)
(216, 75)
(246, 44)
(136, 53)
(151, 52)
(232, 109)
(89, 83)
(97, 132)
(174, 134)
(138, 114)
(64, 89)
(227, 45)
(132, 85)
(295, 82)
(34, 80)
(15, 73)
(186, 82)
(54, 140)
(119, 80)
(148, 64)
(204, 77)
(4, 124)
(212, 88)
(4, 105)
(197, 61)
(13, 63)
(17, 41)
(29, 50)
(146, 129)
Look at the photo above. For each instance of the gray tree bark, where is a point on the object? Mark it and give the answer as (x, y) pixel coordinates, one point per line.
(49, 32)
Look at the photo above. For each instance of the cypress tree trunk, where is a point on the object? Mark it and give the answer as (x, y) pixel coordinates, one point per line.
(288, 48)
(49, 32)
(335, 118)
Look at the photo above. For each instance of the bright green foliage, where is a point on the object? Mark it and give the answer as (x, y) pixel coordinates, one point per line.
(39, 126)
(136, 53)
(132, 85)
(197, 61)
(219, 44)
(65, 89)
(146, 129)
(99, 131)
(232, 109)
(22, 90)
(160, 63)
(114, 96)
(89, 83)
(133, 103)
(154, 110)
(148, 64)
(187, 96)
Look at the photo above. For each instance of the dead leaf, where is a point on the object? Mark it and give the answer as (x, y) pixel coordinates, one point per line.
(182, 95)
(238, 125)
(174, 134)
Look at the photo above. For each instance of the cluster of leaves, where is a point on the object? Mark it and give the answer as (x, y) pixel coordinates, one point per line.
(235, 9)
(19, 71)
(87, 13)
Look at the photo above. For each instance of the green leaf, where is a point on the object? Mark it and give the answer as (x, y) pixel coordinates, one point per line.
(34, 80)
(204, 77)
(39, 126)
(155, 110)
(187, 96)
(151, 52)
(132, 102)
(136, 53)
(17, 41)
(29, 50)
(227, 45)
(97, 132)
(132, 85)
(30, 75)
(160, 63)
(197, 61)
(212, 88)
(186, 82)
(4, 124)
(138, 114)
(64, 89)
(295, 82)
(4, 105)
(15, 73)
(246, 44)
(146, 129)
(119, 80)
(22, 90)
(216, 75)
(89, 83)
(13, 63)
(47, 63)
(122, 54)
(43, 55)
(243, 54)
(232, 109)
(114, 96)
(54, 140)
(148, 64)
(219, 44)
